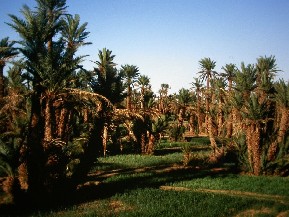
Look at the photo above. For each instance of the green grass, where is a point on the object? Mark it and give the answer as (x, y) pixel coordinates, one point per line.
(135, 161)
(195, 142)
(260, 184)
(142, 185)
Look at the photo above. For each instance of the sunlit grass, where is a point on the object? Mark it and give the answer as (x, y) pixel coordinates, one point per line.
(144, 185)
(256, 184)
(135, 161)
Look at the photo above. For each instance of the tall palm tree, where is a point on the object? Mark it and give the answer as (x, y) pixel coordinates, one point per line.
(229, 75)
(144, 82)
(107, 80)
(197, 85)
(282, 117)
(266, 70)
(163, 98)
(130, 73)
(49, 41)
(6, 52)
(207, 73)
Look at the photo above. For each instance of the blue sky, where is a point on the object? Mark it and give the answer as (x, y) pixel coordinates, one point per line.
(167, 38)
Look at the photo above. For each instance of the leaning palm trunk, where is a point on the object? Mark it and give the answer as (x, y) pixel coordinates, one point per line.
(283, 126)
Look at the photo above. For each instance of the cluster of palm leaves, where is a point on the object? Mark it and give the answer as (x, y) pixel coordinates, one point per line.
(57, 117)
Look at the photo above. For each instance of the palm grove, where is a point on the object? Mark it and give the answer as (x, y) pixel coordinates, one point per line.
(57, 117)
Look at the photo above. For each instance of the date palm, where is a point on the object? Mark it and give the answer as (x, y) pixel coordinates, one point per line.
(143, 82)
(198, 86)
(207, 73)
(7, 51)
(229, 75)
(49, 41)
(282, 117)
(107, 80)
(130, 73)
(163, 98)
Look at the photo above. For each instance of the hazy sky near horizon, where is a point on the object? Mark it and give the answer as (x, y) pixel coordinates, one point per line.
(167, 38)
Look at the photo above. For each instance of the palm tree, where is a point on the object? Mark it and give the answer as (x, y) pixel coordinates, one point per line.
(130, 73)
(108, 83)
(49, 41)
(218, 84)
(144, 82)
(163, 98)
(256, 116)
(229, 75)
(6, 52)
(207, 73)
(282, 117)
(197, 85)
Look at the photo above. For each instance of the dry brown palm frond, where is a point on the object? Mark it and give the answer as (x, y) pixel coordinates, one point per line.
(154, 113)
(12, 102)
(94, 98)
(125, 114)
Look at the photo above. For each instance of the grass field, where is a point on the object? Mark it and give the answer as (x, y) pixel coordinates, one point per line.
(140, 185)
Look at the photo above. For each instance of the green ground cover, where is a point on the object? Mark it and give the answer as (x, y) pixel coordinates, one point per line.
(143, 185)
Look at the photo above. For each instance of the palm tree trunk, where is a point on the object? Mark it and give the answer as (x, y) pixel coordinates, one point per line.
(62, 120)
(283, 126)
(254, 149)
(1, 80)
(48, 121)
(104, 139)
(200, 122)
(249, 138)
(35, 157)
(220, 118)
(150, 149)
(128, 98)
(143, 143)
(211, 135)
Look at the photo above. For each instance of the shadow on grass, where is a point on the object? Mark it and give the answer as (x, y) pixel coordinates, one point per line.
(109, 183)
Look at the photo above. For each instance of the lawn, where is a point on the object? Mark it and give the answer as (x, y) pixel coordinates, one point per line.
(142, 185)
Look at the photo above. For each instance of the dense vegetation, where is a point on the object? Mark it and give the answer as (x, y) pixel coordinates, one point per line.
(57, 117)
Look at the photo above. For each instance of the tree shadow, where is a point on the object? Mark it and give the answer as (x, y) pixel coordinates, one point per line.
(96, 186)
